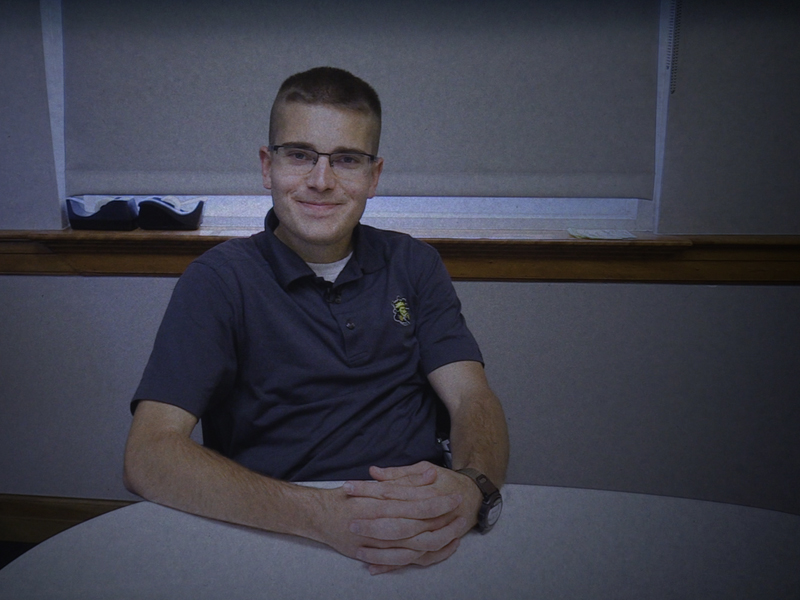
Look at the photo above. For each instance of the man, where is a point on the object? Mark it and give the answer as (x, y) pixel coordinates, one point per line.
(321, 349)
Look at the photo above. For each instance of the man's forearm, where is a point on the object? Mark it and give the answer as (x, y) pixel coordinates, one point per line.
(173, 470)
(479, 438)
(163, 464)
(478, 431)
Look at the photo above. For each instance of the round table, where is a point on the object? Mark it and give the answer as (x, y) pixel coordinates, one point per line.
(549, 543)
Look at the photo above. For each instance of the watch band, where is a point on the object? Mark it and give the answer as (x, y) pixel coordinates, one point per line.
(492, 503)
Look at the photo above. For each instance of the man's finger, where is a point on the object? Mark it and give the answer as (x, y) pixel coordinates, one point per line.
(391, 559)
(426, 508)
(390, 490)
(396, 473)
(388, 556)
(403, 529)
(423, 536)
(381, 569)
(435, 540)
(430, 558)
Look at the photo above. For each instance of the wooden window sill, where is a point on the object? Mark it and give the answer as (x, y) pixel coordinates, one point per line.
(699, 259)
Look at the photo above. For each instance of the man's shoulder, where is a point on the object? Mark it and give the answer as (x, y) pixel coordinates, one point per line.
(232, 261)
(394, 243)
(231, 254)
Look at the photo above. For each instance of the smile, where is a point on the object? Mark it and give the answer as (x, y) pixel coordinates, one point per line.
(318, 207)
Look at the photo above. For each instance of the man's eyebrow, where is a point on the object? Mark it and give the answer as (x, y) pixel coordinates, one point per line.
(338, 149)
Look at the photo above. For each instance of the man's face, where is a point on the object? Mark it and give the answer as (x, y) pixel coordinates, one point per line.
(318, 211)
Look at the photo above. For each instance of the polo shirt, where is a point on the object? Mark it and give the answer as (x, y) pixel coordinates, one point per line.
(303, 380)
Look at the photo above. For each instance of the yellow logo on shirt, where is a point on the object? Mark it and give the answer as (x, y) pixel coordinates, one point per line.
(402, 314)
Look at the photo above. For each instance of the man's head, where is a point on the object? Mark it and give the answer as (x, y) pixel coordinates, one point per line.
(321, 164)
(327, 86)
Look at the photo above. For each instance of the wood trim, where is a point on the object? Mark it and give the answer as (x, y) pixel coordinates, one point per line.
(695, 259)
(33, 519)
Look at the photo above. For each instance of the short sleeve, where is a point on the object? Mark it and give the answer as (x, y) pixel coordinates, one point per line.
(442, 330)
(193, 362)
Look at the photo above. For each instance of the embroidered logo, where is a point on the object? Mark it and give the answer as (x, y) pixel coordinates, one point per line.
(401, 312)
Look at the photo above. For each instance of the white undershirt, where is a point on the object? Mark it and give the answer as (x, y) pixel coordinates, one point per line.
(329, 271)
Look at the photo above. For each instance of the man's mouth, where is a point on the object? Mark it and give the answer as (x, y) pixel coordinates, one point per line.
(318, 206)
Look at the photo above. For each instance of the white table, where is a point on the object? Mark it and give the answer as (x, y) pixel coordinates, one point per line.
(549, 543)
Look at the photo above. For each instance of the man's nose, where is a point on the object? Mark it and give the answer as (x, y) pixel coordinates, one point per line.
(321, 176)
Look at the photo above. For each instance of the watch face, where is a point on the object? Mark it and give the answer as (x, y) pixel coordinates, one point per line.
(494, 512)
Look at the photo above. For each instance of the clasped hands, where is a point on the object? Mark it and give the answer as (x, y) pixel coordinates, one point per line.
(415, 514)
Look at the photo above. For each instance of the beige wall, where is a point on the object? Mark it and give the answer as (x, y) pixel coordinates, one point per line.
(684, 390)
(678, 390)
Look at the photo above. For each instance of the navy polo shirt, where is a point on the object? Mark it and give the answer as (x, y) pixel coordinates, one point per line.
(302, 380)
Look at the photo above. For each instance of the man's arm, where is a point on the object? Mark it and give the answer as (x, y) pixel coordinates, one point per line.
(478, 431)
(163, 464)
(478, 439)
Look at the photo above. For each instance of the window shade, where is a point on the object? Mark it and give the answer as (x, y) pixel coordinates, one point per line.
(501, 98)
(733, 134)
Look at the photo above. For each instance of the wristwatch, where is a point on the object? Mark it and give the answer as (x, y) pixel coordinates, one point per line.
(492, 504)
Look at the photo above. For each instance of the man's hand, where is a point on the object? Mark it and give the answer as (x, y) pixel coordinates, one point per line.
(478, 438)
(403, 531)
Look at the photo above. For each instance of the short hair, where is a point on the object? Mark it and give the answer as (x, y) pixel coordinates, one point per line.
(329, 86)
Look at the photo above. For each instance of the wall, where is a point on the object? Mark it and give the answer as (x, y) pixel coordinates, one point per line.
(733, 134)
(679, 390)
(28, 190)
(510, 98)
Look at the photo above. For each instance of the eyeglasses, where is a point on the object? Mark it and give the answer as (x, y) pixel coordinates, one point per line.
(300, 161)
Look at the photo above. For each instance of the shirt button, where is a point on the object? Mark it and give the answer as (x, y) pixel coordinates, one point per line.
(350, 324)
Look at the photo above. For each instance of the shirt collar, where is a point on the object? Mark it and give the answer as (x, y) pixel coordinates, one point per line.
(289, 267)
(368, 255)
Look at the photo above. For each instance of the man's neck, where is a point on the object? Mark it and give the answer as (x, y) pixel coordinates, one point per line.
(316, 253)
(329, 271)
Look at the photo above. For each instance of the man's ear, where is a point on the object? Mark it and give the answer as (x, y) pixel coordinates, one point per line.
(266, 163)
(377, 169)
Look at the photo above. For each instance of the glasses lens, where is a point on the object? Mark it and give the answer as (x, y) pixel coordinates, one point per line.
(344, 164)
(349, 162)
(297, 159)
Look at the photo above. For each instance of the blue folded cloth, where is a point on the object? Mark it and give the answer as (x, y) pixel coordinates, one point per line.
(156, 213)
(118, 214)
(124, 214)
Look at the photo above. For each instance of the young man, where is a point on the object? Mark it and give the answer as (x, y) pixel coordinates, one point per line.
(321, 349)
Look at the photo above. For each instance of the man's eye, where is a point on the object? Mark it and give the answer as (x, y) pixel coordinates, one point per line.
(348, 160)
(299, 155)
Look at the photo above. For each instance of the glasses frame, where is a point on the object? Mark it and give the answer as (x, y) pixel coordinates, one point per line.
(372, 157)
